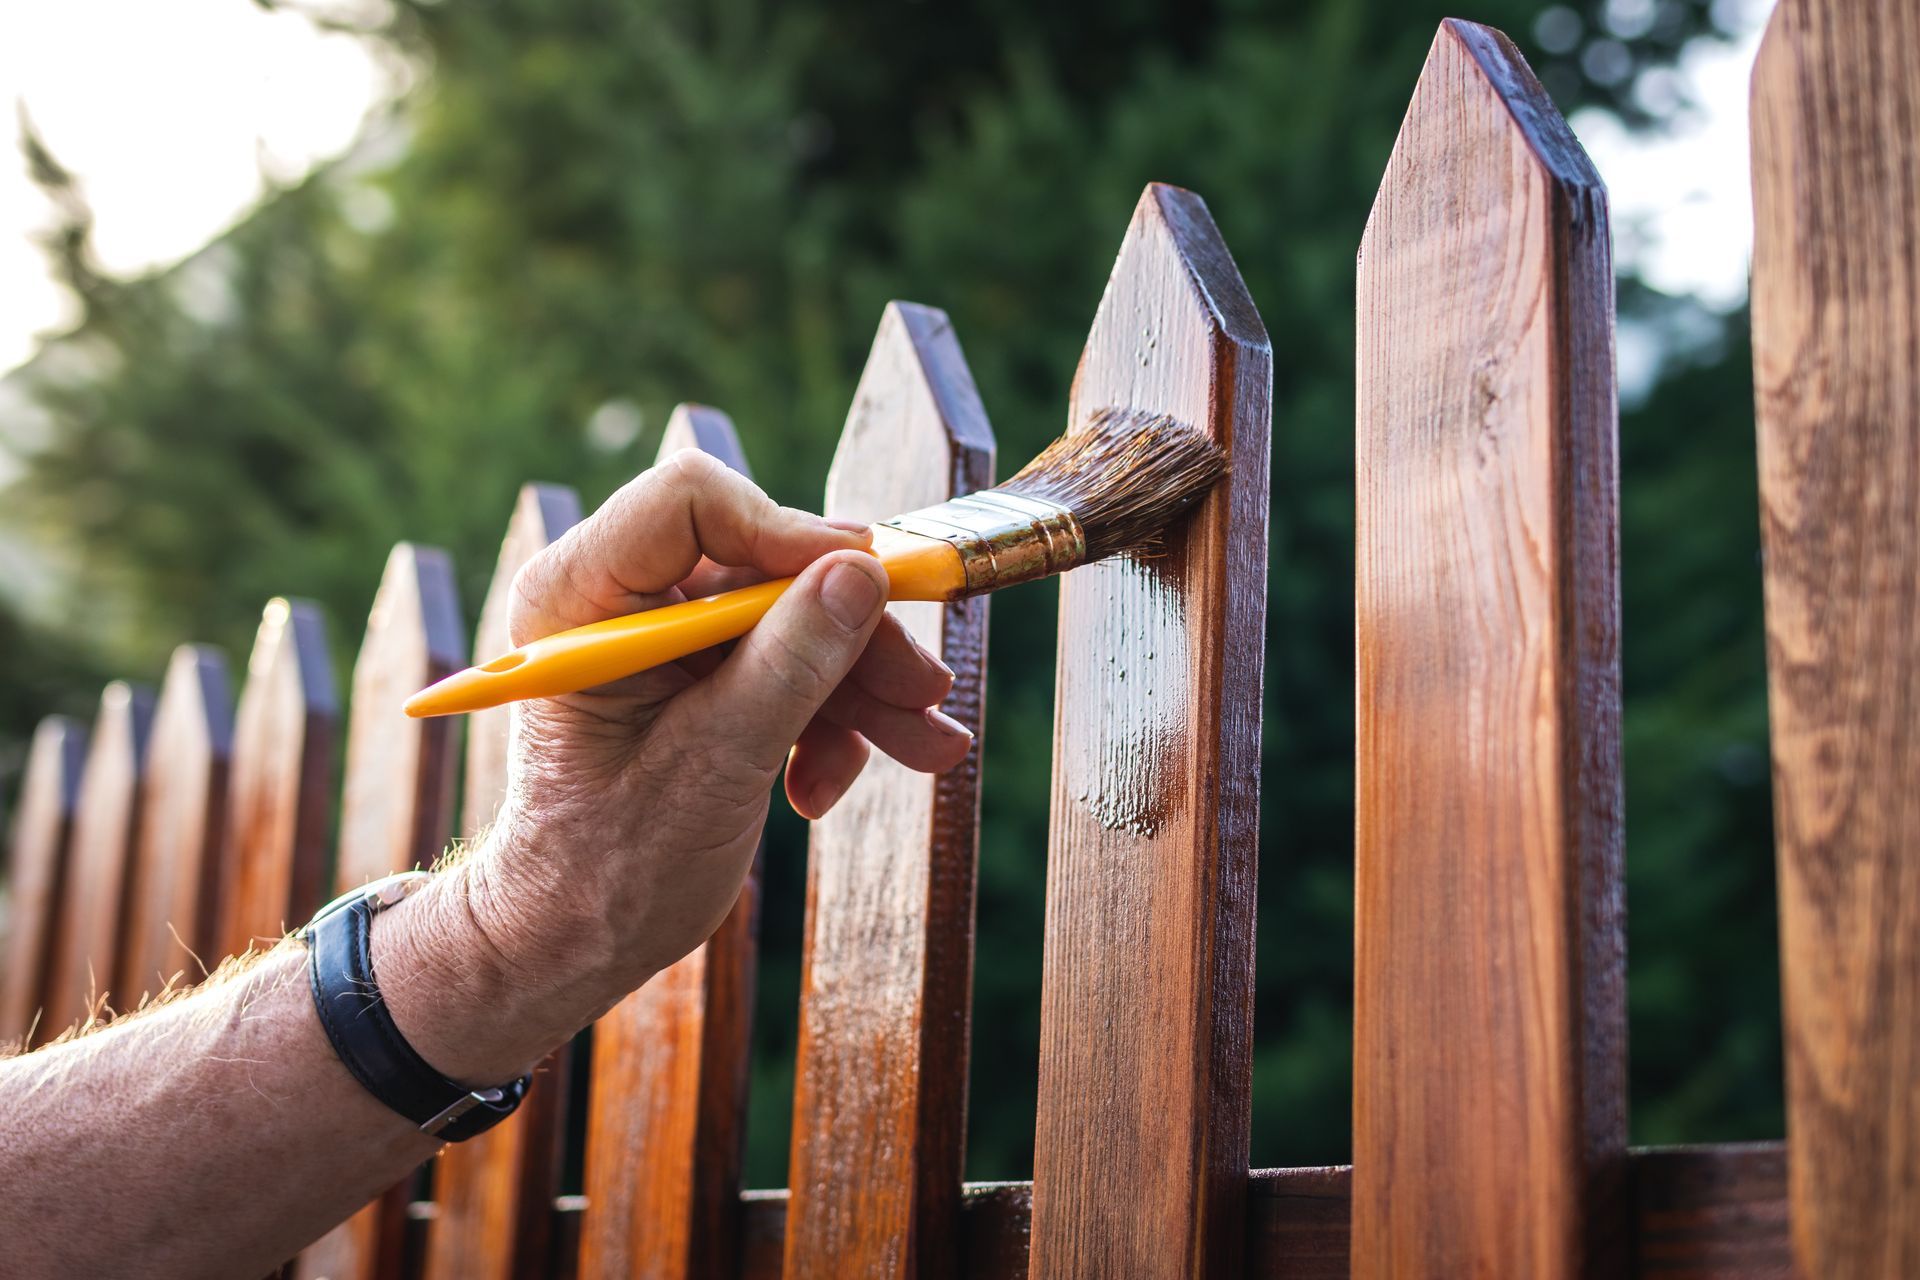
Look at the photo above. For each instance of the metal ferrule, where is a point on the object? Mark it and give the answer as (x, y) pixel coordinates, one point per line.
(1003, 538)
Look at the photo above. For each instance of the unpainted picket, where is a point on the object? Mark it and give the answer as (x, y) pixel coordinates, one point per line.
(1489, 1003)
(1836, 328)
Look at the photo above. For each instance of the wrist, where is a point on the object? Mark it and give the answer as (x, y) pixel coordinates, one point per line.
(476, 993)
(438, 986)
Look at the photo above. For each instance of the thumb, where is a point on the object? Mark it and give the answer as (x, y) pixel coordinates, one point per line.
(777, 677)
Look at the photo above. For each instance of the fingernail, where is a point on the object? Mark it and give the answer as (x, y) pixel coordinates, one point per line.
(928, 654)
(850, 526)
(824, 797)
(850, 596)
(948, 725)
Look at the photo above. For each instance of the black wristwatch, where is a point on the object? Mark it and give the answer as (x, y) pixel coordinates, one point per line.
(362, 1032)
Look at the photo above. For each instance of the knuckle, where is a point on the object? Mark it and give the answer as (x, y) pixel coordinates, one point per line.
(528, 597)
(689, 469)
(721, 502)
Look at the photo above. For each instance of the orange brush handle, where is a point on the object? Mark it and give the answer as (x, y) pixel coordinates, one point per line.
(569, 661)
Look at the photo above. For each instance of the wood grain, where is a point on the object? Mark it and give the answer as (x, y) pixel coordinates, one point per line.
(281, 781)
(93, 904)
(880, 1083)
(666, 1099)
(396, 813)
(1146, 1015)
(174, 878)
(37, 873)
(1489, 1021)
(1836, 361)
(494, 1192)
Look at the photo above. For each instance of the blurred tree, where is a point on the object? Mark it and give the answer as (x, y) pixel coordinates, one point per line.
(590, 210)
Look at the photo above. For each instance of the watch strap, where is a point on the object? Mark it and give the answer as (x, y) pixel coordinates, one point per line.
(347, 995)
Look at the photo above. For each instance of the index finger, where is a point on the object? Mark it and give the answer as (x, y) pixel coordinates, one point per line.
(651, 534)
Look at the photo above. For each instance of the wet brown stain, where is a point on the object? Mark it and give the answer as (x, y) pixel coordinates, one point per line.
(1120, 779)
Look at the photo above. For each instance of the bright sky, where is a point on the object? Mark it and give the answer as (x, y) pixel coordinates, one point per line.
(170, 111)
(1682, 198)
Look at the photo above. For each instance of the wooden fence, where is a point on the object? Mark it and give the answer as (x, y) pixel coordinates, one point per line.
(1490, 1049)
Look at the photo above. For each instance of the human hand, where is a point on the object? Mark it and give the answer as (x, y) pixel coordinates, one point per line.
(634, 809)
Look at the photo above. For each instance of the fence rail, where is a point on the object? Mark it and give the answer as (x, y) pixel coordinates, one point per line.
(1490, 1054)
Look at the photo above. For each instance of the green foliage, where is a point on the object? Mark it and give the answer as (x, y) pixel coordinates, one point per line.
(592, 210)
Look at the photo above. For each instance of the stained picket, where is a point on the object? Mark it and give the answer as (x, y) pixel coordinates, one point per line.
(93, 904)
(173, 882)
(396, 813)
(494, 1193)
(666, 1105)
(880, 1084)
(274, 863)
(38, 850)
(1146, 1005)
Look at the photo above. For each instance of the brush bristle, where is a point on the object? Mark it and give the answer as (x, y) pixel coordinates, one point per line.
(1127, 477)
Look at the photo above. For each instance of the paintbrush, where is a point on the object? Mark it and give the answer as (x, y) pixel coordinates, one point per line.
(1111, 487)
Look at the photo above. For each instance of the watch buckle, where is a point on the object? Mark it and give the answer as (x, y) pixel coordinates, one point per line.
(460, 1107)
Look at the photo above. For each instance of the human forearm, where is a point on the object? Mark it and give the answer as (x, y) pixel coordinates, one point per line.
(112, 1150)
(219, 1133)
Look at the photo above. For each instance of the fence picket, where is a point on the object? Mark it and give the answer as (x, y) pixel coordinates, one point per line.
(281, 780)
(396, 813)
(1836, 165)
(1146, 1015)
(1489, 1022)
(880, 1084)
(667, 1094)
(174, 877)
(494, 1193)
(93, 906)
(37, 872)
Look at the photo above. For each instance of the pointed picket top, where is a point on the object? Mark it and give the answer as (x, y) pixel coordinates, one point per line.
(541, 514)
(698, 426)
(494, 1194)
(915, 405)
(880, 1085)
(94, 902)
(396, 807)
(1487, 837)
(1146, 997)
(1476, 88)
(1174, 298)
(666, 1105)
(281, 781)
(170, 928)
(37, 871)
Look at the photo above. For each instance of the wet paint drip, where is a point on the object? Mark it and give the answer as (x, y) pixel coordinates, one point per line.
(1121, 777)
